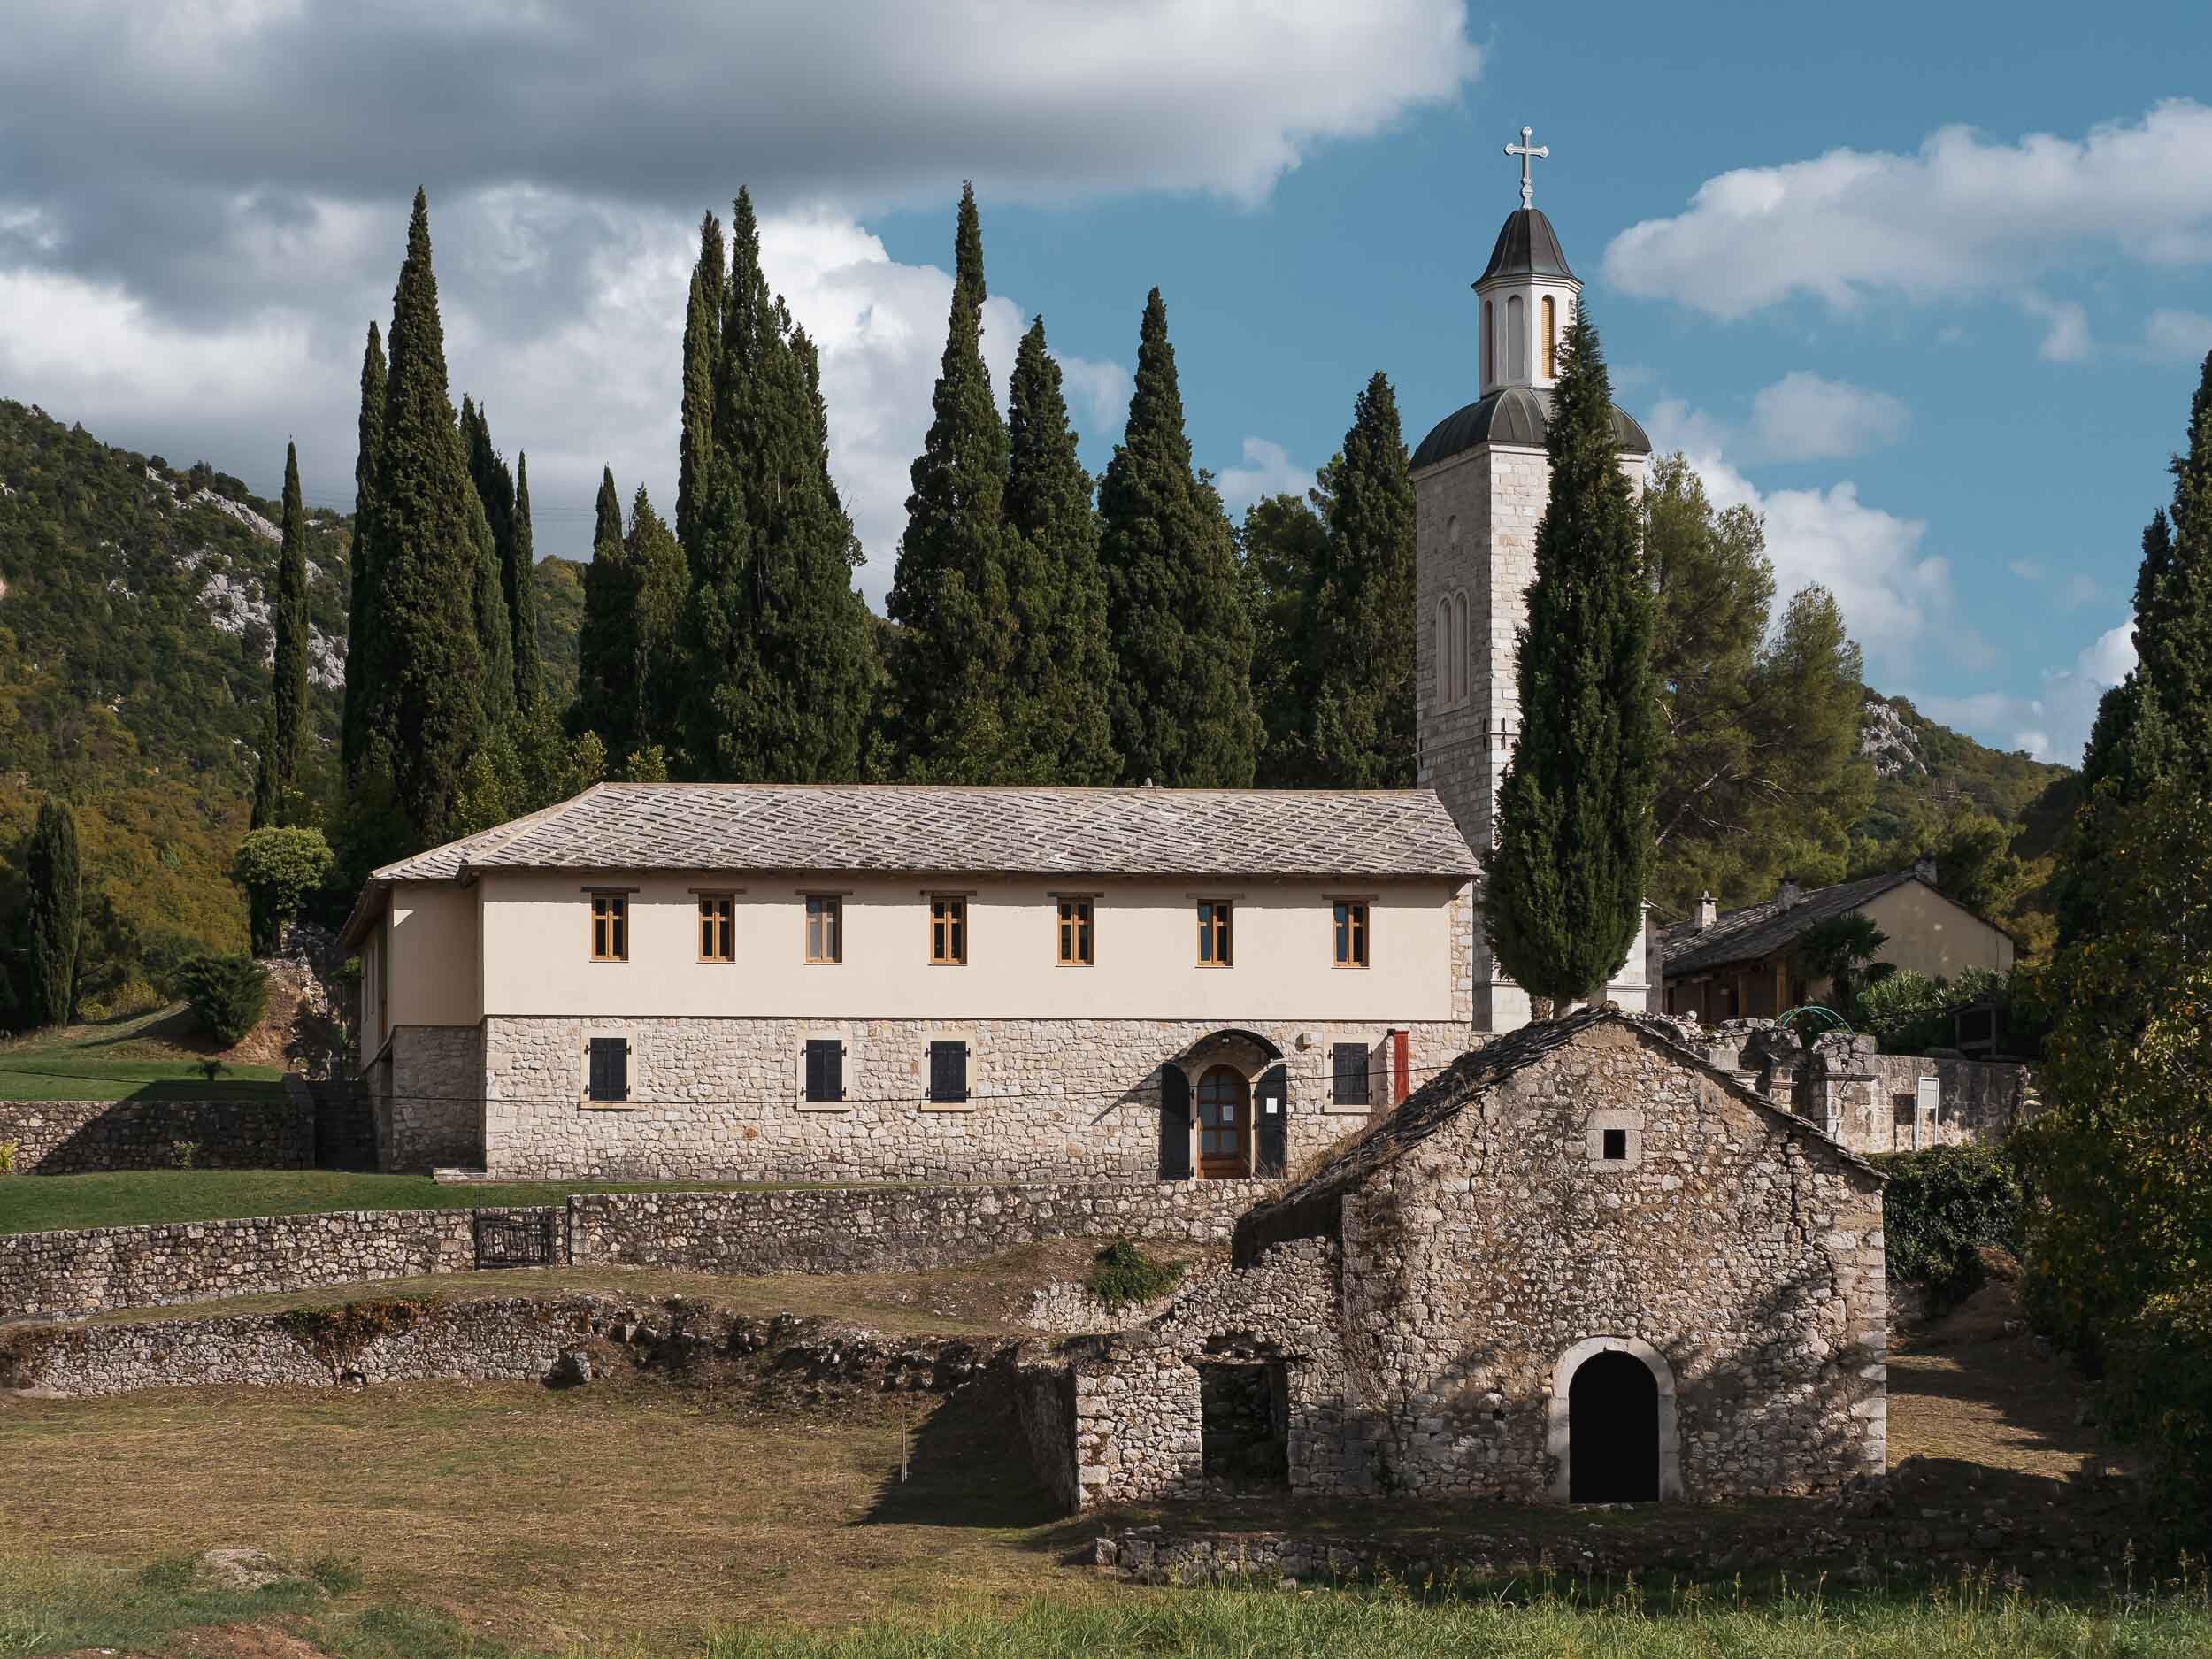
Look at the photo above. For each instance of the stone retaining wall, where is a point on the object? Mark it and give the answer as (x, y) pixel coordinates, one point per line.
(887, 1229)
(824, 1229)
(78, 1137)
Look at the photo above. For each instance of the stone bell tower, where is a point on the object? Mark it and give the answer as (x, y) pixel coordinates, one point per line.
(1480, 482)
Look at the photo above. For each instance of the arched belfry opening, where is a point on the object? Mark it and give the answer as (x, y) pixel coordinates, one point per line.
(1612, 1431)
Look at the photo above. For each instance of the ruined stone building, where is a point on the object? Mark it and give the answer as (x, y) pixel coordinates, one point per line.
(1581, 1266)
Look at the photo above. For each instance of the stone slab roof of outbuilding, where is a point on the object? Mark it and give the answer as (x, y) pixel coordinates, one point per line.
(907, 828)
(1311, 1206)
(1760, 930)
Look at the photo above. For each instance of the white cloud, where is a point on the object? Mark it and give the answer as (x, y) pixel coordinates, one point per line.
(2065, 328)
(2184, 336)
(1098, 394)
(1802, 417)
(1268, 470)
(1895, 597)
(2054, 725)
(1963, 215)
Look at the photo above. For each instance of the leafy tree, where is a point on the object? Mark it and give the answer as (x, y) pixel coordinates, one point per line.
(1974, 865)
(1840, 950)
(952, 676)
(362, 620)
(422, 665)
(781, 675)
(1941, 1208)
(228, 995)
(1759, 769)
(1280, 547)
(278, 868)
(1182, 694)
(1060, 731)
(276, 784)
(1358, 646)
(56, 910)
(1567, 879)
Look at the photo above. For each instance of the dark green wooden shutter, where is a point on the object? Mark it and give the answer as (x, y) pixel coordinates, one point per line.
(1348, 1067)
(948, 1071)
(825, 1069)
(609, 1068)
(1174, 1125)
(1271, 1102)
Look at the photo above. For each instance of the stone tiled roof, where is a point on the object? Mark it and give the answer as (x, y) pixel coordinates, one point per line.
(1760, 930)
(899, 829)
(1311, 1206)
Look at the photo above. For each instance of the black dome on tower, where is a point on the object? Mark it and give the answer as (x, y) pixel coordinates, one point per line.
(1527, 247)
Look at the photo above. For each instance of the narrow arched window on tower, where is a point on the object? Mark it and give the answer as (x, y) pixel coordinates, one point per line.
(1551, 339)
(1463, 647)
(1489, 348)
(1515, 338)
(1443, 653)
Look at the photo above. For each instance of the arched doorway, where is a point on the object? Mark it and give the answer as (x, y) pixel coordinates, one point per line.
(1613, 1432)
(1224, 1125)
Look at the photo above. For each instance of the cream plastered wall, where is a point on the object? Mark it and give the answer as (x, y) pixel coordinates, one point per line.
(537, 958)
(432, 975)
(1929, 934)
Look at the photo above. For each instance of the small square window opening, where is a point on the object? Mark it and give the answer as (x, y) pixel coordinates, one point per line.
(1616, 1145)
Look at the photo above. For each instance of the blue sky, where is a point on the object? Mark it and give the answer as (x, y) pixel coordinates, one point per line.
(1946, 356)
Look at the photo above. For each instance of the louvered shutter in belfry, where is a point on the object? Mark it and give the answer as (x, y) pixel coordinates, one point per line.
(1174, 1124)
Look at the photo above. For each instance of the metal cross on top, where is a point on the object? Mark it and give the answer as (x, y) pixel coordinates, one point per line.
(1526, 151)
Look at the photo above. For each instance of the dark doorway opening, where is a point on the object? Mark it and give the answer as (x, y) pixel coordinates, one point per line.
(1244, 1424)
(1613, 1432)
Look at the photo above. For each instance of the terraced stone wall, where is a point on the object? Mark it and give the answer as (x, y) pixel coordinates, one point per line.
(79, 1137)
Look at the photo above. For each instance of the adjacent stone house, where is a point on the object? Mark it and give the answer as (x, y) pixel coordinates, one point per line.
(1581, 1264)
(1741, 964)
(890, 982)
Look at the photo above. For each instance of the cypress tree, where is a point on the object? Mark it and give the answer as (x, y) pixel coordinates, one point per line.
(361, 601)
(1567, 878)
(507, 510)
(702, 351)
(1358, 649)
(780, 669)
(519, 574)
(1059, 595)
(661, 584)
(950, 675)
(426, 700)
(1182, 695)
(490, 507)
(54, 902)
(284, 741)
(606, 644)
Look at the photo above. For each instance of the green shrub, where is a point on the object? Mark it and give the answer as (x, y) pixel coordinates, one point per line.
(1121, 1274)
(8, 1149)
(2158, 1393)
(1907, 1012)
(278, 868)
(228, 995)
(1940, 1208)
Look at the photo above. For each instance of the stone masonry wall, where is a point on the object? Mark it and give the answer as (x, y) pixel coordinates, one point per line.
(427, 1095)
(1742, 1258)
(101, 1269)
(77, 1137)
(875, 1229)
(719, 1099)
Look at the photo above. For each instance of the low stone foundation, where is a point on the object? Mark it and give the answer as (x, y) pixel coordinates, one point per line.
(80, 1137)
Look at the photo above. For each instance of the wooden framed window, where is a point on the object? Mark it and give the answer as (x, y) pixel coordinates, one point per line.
(610, 927)
(1216, 940)
(1075, 934)
(825, 1070)
(608, 1076)
(1351, 932)
(1347, 1073)
(717, 927)
(825, 927)
(948, 929)
(947, 1072)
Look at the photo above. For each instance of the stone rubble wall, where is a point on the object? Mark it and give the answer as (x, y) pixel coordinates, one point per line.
(491, 1340)
(1054, 1100)
(887, 1229)
(79, 1137)
(427, 1096)
(830, 1230)
(103, 1269)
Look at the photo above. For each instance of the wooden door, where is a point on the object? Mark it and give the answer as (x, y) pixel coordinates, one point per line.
(1224, 1125)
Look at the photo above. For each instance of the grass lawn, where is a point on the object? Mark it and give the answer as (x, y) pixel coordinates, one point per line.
(130, 1198)
(145, 1057)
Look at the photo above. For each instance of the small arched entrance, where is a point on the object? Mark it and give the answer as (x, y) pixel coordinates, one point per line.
(1613, 1432)
(1612, 1435)
(1224, 1125)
